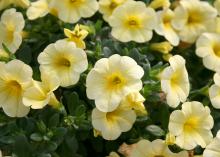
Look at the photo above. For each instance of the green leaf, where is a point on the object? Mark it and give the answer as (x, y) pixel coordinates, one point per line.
(21, 147)
(72, 101)
(54, 120)
(155, 130)
(36, 137)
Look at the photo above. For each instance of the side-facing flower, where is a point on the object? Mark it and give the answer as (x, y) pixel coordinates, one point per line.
(162, 47)
(106, 7)
(192, 125)
(214, 92)
(11, 26)
(113, 154)
(21, 3)
(193, 18)
(175, 81)
(41, 93)
(133, 21)
(111, 80)
(213, 149)
(77, 36)
(156, 148)
(15, 78)
(135, 101)
(112, 124)
(217, 5)
(208, 48)
(65, 60)
(72, 10)
(165, 28)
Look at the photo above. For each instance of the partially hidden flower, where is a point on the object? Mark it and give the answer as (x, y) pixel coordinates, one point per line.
(112, 124)
(64, 60)
(41, 93)
(208, 48)
(175, 81)
(20, 3)
(213, 149)
(106, 7)
(38, 9)
(155, 4)
(133, 21)
(165, 28)
(217, 5)
(192, 18)
(15, 78)
(214, 92)
(156, 148)
(11, 26)
(72, 11)
(191, 125)
(111, 80)
(77, 35)
(113, 154)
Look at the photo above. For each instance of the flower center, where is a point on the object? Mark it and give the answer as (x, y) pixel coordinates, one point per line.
(14, 86)
(133, 22)
(63, 62)
(158, 156)
(76, 2)
(10, 34)
(194, 17)
(115, 81)
(191, 124)
(176, 79)
(111, 116)
(216, 50)
(113, 5)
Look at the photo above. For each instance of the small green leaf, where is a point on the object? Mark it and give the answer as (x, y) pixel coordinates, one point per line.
(155, 130)
(36, 137)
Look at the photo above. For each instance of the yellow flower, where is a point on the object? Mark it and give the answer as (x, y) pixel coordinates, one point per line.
(11, 26)
(38, 9)
(77, 36)
(111, 80)
(41, 93)
(163, 47)
(15, 78)
(132, 21)
(106, 7)
(192, 125)
(175, 82)
(112, 124)
(21, 3)
(213, 149)
(207, 47)
(165, 28)
(193, 18)
(72, 10)
(217, 5)
(156, 148)
(113, 154)
(64, 60)
(214, 92)
(135, 101)
(3, 54)
(155, 4)
(170, 139)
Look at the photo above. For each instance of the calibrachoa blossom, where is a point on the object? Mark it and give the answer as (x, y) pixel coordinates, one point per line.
(165, 28)
(160, 4)
(111, 80)
(214, 92)
(112, 124)
(15, 78)
(11, 26)
(106, 7)
(156, 148)
(193, 18)
(38, 9)
(175, 81)
(192, 125)
(72, 10)
(133, 21)
(41, 93)
(65, 60)
(77, 36)
(213, 149)
(20, 3)
(217, 5)
(208, 48)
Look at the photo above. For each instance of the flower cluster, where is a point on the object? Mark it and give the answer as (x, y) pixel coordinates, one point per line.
(110, 71)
